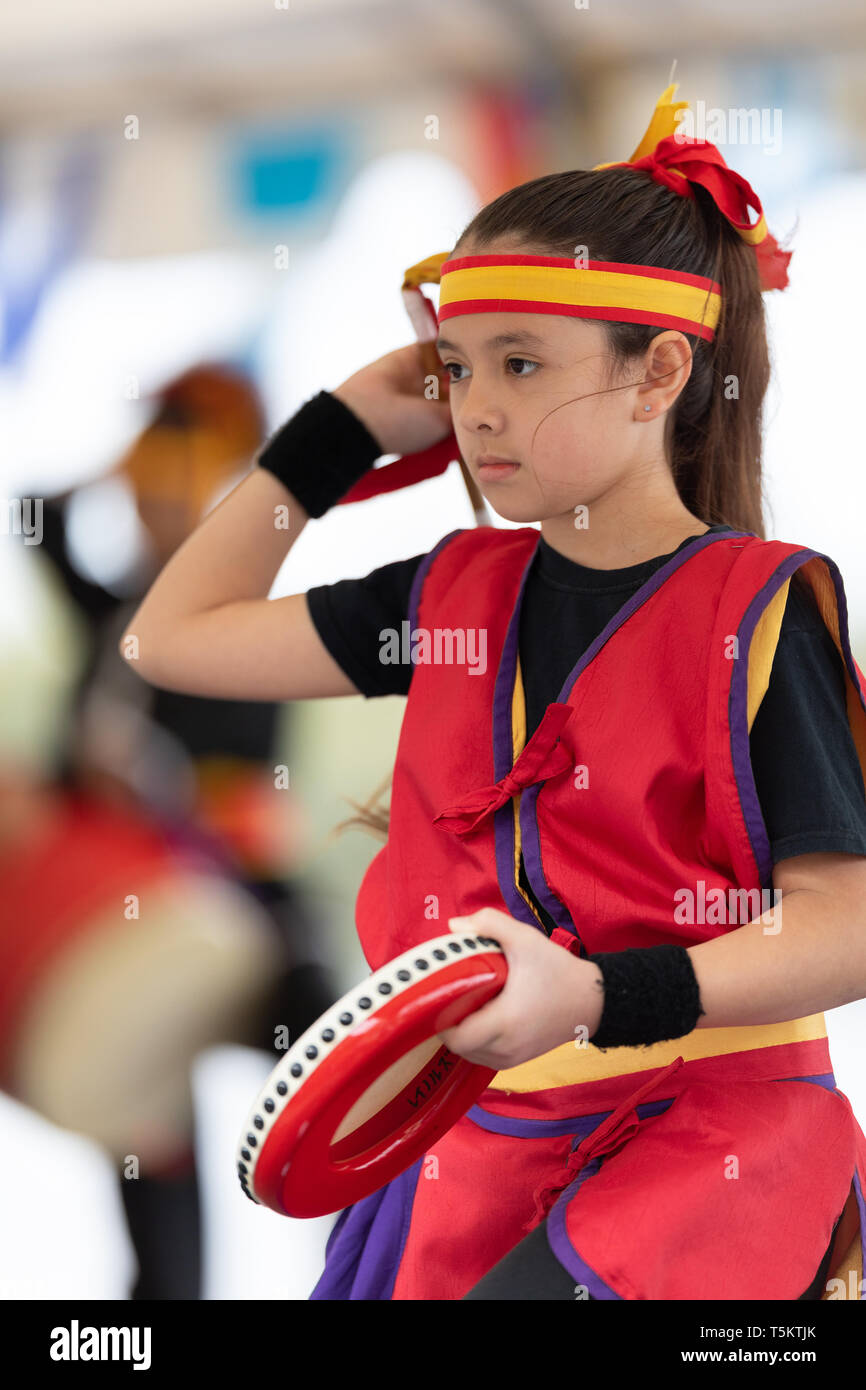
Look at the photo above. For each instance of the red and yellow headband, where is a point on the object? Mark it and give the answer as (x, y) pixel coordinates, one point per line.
(617, 292)
(591, 290)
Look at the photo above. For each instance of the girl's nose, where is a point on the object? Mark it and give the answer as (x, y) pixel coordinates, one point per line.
(478, 407)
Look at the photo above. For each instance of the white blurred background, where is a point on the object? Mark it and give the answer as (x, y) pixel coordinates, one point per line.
(259, 125)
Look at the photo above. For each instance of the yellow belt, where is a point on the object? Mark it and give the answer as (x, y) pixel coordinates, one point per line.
(572, 1063)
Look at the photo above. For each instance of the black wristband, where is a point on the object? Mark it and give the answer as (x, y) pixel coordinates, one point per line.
(320, 453)
(650, 994)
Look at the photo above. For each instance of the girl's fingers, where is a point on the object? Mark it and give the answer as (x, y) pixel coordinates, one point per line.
(489, 921)
(480, 1029)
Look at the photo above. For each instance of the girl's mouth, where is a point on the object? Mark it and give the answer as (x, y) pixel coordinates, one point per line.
(492, 471)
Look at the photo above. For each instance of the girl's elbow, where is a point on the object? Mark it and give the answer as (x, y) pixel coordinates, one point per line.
(139, 654)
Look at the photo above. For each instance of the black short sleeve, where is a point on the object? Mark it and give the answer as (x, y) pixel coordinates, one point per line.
(807, 772)
(350, 617)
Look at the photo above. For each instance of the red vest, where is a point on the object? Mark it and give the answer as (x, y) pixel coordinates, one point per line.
(636, 785)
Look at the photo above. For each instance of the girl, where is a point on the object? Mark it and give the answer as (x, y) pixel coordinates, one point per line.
(667, 728)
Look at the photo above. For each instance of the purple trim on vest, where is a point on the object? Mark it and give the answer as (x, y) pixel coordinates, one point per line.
(503, 829)
(639, 598)
(421, 575)
(562, 1247)
(826, 1079)
(365, 1247)
(737, 706)
(522, 1128)
(534, 870)
(540, 1129)
(503, 760)
(528, 808)
(861, 1206)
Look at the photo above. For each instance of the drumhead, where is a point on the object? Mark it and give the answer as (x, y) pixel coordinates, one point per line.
(105, 1044)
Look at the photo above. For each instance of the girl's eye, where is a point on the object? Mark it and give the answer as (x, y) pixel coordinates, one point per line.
(526, 361)
(449, 366)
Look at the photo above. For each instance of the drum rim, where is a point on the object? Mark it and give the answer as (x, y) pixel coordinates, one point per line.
(420, 962)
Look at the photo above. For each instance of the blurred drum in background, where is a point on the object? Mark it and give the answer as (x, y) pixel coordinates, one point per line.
(121, 958)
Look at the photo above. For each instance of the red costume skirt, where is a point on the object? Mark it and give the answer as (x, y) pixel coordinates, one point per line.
(715, 1166)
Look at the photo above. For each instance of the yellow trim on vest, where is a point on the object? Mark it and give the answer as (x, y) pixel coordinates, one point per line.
(518, 715)
(518, 742)
(765, 639)
(571, 1064)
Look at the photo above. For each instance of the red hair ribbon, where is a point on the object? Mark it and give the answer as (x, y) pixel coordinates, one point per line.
(678, 161)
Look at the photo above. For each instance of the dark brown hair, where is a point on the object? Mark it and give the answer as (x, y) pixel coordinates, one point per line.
(713, 430)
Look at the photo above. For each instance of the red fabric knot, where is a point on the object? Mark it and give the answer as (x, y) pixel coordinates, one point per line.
(562, 937)
(543, 757)
(678, 161)
(612, 1134)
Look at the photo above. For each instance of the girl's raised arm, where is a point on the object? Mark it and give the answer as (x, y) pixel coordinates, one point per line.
(207, 627)
(204, 627)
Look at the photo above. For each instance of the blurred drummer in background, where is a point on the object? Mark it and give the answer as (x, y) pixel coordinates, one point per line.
(178, 793)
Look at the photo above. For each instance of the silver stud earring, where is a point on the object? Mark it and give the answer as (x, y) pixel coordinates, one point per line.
(647, 407)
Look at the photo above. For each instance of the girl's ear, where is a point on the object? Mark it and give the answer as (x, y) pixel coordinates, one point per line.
(667, 366)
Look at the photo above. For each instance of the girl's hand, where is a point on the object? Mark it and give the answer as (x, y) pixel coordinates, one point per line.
(388, 396)
(548, 998)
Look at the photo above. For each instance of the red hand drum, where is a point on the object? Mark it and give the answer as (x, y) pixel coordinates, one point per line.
(364, 1092)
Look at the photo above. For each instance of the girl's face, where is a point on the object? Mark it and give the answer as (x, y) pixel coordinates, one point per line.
(538, 389)
(513, 383)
